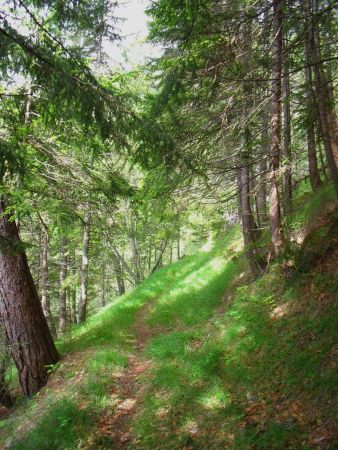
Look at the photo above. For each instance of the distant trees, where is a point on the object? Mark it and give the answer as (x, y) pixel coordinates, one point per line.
(62, 95)
(102, 178)
(230, 66)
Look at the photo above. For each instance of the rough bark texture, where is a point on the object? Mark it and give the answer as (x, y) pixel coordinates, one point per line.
(274, 200)
(29, 340)
(84, 270)
(63, 290)
(45, 301)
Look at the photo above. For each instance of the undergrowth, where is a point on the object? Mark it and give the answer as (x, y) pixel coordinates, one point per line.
(237, 364)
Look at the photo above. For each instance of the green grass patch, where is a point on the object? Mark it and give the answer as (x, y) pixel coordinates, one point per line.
(253, 372)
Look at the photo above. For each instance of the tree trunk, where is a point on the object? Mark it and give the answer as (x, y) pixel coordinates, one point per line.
(323, 167)
(135, 251)
(103, 285)
(310, 132)
(6, 398)
(179, 245)
(249, 226)
(158, 262)
(119, 275)
(29, 339)
(274, 200)
(326, 119)
(329, 105)
(261, 190)
(84, 269)
(45, 301)
(287, 137)
(73, 311)
(63, 289)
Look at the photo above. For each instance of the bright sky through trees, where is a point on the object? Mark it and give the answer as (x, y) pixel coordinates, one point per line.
(132, 28)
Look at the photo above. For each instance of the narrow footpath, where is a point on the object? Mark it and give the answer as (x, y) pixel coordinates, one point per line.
(130, 384)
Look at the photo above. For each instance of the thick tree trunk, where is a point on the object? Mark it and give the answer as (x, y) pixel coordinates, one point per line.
(119, 275)
(84, 269)
(45, 301)
(274, 200)
(29, 339)
(63, 289)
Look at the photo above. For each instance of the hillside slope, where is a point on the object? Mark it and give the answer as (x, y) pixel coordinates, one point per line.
(200, 357)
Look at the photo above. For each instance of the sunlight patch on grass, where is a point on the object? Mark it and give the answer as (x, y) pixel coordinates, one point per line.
(215, 398)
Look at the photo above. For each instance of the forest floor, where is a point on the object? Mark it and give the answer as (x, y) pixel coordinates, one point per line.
(201, 357)
(116, 424)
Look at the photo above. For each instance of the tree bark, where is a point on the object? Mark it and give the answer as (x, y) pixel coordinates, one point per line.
(261, 190)
(287, 137)
(179, 244)
(323, 167)
(119, 275)
(158, 262)
(63, 289)
(84, 270)
(249, 227)
(103, 285)
(132, 226)
(73, 311)
(29, 339)
(328, 92)
(310, 131)
(274, 200)
(326, 117)
(6, 398)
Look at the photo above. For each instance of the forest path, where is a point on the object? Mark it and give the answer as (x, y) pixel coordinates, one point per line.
(130, 385)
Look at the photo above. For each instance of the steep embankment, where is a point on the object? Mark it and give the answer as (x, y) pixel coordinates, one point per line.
(199, 357)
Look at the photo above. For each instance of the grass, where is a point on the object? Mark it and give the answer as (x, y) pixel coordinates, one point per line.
(255, 376)
(307, 205)
(226, 379)
(235, 365)
(101, 346)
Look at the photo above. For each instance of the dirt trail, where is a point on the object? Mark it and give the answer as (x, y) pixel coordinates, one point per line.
(114, 426)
